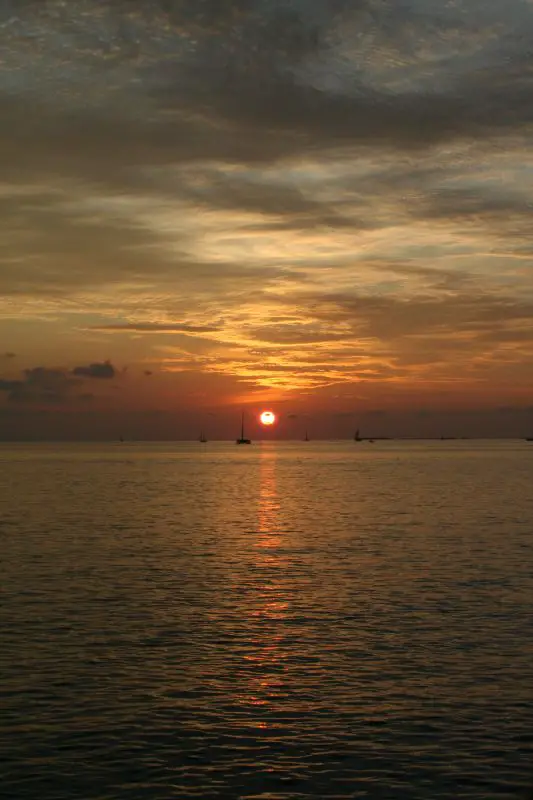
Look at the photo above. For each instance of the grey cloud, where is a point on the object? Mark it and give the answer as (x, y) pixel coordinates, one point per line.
(299, 334)
(102, 370)
(469, 101)
(44, 385)
(47, 378)
(47, 249)
(149, 327)
(242, 191)
(480, 200)
(226, 82)
(498, 211)
(433, 276)
(386, 317)
(39, 385)
(235, 82)
(8, 385)
(51, 245)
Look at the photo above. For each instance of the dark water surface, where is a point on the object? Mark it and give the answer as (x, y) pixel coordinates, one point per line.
(281, 621)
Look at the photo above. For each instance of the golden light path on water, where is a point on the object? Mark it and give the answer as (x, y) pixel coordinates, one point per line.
(265, 661)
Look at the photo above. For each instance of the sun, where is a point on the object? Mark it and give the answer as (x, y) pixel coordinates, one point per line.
(268, 418)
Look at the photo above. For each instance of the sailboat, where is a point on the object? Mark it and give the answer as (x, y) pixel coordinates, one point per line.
(242, 440)
(306, 437)
(356, 437)
(202, 438)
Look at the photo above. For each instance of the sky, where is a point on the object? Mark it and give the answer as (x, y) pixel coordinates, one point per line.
(320, 207)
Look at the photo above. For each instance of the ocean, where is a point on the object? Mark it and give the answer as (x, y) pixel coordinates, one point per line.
(283, 621)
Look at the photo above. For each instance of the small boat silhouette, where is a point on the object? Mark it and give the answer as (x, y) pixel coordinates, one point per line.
(243, 440)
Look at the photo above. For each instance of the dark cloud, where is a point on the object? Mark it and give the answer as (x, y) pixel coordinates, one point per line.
(48, 386)
(39, 385)
(299, 334)
(50, 247)
(392, 317)
(8, 385)
(57, 243)
(149, 327)
(258, 81)
(9, 355)
(101, 370)
(496, 210)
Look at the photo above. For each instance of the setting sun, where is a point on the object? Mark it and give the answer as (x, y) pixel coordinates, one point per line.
(268, 418)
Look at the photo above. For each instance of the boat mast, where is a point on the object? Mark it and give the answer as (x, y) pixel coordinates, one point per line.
(242, 426)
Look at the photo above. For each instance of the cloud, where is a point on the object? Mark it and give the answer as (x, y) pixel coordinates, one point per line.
(321, 72)
(8, 385)
(309, 193)
(39, 385)
(10, 355)
(154, 327)
(50, 386)
(257, 83)
(101, 370)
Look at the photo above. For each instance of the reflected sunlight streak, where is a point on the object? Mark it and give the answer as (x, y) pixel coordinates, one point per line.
(265, 664)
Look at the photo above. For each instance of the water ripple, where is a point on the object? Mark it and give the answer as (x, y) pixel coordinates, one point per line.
(278, 624)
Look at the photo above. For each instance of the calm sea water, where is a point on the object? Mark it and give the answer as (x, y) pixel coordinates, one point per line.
(322, 620)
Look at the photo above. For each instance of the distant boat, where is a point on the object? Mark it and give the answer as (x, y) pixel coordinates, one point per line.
(306, 437)
(357, 437)
(242, 440)
(121, 438)
(529, 438)
(202, 438)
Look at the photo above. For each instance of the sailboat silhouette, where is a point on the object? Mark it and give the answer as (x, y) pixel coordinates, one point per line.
(242, 440)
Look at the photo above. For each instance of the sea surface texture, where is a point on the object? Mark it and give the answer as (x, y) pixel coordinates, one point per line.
(273, 622)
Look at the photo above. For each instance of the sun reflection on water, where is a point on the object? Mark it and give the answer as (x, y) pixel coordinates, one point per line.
(265, 663)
